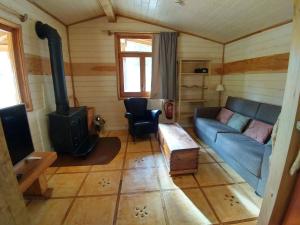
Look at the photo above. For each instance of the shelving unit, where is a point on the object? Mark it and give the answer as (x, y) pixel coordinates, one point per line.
(191, 88)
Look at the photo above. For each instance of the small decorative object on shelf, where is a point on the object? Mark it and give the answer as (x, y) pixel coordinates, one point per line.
(201, 70)
(99, 123)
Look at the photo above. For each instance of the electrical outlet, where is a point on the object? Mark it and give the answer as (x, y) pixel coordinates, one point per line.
(298, 125)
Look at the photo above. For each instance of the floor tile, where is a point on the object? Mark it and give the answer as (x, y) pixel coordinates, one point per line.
(212, 174)
(234, 175)
(230, 203)
(159, 159)
(204, 157)
(73, 169)
(100, 183)
(168, 182)
(118, 133)
(92, 211)
(188, 207)
(155, 144)
(214, 154)
(48, 212)
(123, 147)
(140, 180)
(139, 146)
(115, 164)
(202, 143)
(254, 222)
(51, 170)
(139, 160)
(65, 185)
(137, 209)
(250, 193)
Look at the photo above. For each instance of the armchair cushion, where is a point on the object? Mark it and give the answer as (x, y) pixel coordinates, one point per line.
(140, 120)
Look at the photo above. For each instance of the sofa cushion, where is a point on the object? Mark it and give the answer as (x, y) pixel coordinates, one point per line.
(259, 131)
(244, 150)
(238, 122)
(224, 115)
(268, 113)
(245, 107)
(212, 127)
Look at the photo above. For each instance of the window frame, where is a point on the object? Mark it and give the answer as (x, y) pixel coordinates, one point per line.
(19, 61)
(119, 64)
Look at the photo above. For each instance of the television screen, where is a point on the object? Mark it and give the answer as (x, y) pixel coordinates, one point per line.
(17, 132)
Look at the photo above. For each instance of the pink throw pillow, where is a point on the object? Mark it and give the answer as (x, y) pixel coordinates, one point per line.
(224, 115)
(259, 131)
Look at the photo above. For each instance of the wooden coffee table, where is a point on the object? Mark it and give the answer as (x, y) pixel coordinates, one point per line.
(179, 149)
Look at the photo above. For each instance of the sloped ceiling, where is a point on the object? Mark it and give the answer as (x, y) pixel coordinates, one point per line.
(221, 20)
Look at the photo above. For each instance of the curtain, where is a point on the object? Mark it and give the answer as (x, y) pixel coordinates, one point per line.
(163, 85)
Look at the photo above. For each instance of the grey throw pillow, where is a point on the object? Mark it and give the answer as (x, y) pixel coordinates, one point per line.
(238, 121)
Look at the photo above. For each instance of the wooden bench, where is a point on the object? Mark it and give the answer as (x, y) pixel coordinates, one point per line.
(179, 149)
(33, 181)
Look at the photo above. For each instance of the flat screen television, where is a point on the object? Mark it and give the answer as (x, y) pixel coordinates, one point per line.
(17, 132)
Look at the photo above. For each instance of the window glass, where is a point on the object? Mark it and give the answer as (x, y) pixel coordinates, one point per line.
(136, 45)
(132, 76)
(9, 94)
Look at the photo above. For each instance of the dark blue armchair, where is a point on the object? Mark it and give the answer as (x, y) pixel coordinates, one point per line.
(140, 120)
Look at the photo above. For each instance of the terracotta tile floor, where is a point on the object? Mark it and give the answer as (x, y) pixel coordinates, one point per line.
(135, 188)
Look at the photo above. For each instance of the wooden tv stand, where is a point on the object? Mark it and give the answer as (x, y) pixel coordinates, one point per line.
(33, 181)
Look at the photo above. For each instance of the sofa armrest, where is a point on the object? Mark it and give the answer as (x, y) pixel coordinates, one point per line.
(264, 174)
(266, 163)
(206, 112)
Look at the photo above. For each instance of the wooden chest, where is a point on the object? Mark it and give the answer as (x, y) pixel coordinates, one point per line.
(179, 149)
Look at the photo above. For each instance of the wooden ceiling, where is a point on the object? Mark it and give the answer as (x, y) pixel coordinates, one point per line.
(220, 20)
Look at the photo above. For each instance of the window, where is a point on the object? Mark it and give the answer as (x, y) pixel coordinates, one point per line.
(13, 81)
(134, 57)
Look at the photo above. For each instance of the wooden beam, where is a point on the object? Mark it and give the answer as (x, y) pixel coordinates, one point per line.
(108, 10)
(280, 183)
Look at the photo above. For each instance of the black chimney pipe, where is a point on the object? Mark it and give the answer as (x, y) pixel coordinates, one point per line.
(57, 65)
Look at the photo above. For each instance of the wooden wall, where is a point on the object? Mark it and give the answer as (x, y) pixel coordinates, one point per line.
(256, 67)
(38, 67)
(94, 68)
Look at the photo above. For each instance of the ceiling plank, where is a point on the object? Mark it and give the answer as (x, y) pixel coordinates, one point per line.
(108, 10)
(259, 31)
(170, 28)
(45, 11)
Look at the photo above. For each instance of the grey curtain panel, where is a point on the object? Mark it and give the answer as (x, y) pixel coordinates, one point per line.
(164, 67)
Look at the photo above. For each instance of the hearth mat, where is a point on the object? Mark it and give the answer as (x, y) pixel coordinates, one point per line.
(105, 151)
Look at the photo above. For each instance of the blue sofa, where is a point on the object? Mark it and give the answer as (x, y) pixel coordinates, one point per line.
(245, 155)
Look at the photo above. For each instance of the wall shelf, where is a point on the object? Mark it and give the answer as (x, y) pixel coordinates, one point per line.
(191, 88)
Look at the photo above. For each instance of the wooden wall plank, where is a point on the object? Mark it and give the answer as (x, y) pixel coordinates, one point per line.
(93, 58)
(41, 65)
(255, 67)
(272, 63)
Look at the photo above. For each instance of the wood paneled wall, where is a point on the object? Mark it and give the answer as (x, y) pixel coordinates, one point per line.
(255, 67)
(93, 57)
(38, 65)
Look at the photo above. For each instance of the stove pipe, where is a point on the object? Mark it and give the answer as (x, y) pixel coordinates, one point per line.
(57, 65)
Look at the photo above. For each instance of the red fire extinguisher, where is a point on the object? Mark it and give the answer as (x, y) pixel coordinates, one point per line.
(168, 108)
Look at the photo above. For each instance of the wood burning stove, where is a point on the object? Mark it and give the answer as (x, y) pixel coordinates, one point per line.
(67, 126)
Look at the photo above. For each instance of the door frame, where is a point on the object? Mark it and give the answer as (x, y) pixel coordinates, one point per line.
(280, 183)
